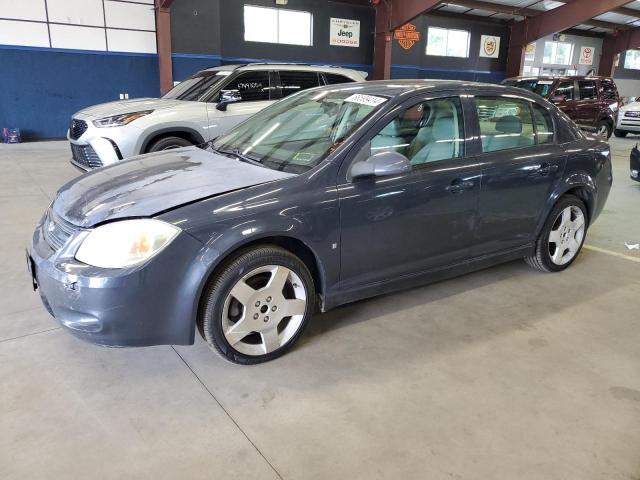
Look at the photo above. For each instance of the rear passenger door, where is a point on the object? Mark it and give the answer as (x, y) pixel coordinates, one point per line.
(521, 164)
(294, 81)
(587, 107)
(565, 96)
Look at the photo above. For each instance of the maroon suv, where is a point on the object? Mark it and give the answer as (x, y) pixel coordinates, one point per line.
(591, 102)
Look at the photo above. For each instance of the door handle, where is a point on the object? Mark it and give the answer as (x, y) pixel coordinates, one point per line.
(544, 170)
(459, 186)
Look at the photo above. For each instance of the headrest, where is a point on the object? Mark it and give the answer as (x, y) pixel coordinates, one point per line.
(509, 124)
(413, 114)
(442, 128)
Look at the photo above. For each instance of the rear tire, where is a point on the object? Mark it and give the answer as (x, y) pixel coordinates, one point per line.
(620, 133)
(168, 143)
(562, 236)
(257, 306)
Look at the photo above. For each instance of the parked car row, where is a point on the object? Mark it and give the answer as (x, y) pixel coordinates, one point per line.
(591, 102)
(196, 110)
(332, 194)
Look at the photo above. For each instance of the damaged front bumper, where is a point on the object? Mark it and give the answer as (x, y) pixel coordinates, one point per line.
(151, 304)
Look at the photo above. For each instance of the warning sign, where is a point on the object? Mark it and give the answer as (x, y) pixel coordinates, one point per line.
(586, 56)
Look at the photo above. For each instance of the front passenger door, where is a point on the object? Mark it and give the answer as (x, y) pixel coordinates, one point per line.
(417, 221)
(256, 92)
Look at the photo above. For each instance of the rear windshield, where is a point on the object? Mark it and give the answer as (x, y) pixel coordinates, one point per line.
(535, 85)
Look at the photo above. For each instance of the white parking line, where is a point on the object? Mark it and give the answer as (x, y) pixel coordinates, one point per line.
(615, 254)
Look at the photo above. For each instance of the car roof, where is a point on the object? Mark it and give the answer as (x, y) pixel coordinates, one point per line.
(561, 77)
(288, 66)
(394, 88)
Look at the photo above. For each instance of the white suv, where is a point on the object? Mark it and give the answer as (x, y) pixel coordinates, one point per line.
(195, 111)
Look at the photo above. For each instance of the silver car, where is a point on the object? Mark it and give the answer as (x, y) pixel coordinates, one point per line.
(628, 119)
(196, 110)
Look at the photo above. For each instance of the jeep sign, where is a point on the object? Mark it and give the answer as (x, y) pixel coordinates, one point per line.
(344, 33)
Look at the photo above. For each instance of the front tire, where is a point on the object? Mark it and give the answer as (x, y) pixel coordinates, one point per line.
(562, 236)
(258, 305)
(168, 143)
(620, 133)
(604, 129)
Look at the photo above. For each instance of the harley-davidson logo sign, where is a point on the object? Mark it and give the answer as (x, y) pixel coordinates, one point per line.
(407, 35)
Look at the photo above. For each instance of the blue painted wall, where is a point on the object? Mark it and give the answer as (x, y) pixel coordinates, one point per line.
(40, 88)
(415, 71)
(185, 64)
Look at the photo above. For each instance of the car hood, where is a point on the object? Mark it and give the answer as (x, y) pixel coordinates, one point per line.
(633, 107)
(149, 184)
(127, 106)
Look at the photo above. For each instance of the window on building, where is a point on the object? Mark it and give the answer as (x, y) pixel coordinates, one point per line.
(632, 59)
(588, 90)
(278, 25)
(530, 53)
(557, 53)
(444, 42)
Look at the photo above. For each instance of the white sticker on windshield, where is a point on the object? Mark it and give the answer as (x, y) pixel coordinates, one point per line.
(545, 82)
(370, 100)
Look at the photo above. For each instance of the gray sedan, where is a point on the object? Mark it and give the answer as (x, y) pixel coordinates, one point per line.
(331, 195)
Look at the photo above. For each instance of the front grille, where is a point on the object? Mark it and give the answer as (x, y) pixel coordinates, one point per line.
(56, 230)
(632, 114)
(77, 128)
(85, 155)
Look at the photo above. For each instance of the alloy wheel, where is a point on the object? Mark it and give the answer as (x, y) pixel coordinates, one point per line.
(603, 131)
(264, 310)
(566, 235)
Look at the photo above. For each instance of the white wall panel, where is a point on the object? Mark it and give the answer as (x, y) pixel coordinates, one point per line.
(79, 12)
(80, 38)
(129, 15)
(28, 34)
(129, 41)
(23, 9)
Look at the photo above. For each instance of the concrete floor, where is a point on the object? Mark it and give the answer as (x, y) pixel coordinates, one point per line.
(503, 374)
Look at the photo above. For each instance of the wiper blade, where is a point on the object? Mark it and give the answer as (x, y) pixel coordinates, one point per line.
(236, 153)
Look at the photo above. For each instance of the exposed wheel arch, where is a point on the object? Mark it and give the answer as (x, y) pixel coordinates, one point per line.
(188, 134)
(584, 194)
(291, 244)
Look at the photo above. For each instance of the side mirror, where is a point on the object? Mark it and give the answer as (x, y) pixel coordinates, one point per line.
(226, 98)
(381, 165)
(558, 99)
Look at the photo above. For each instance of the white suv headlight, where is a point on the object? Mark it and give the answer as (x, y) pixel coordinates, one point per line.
(119, 120)
(125, 243)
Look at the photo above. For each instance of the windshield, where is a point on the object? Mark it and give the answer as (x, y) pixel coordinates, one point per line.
(295, 134)
(196, 87)
(535, 85)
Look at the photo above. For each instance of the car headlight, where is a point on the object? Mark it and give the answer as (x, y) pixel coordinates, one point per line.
(125, 243)
(119, 120)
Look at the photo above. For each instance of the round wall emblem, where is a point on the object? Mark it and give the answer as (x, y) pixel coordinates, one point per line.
(489, 46)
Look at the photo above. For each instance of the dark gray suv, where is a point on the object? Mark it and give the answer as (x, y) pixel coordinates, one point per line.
(331, 195)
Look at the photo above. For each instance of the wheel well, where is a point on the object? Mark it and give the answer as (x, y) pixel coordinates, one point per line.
(586, 196)
(189, 136)
(292, 245)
